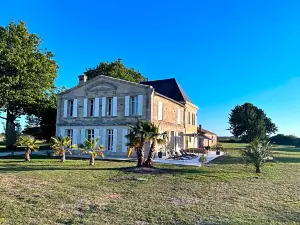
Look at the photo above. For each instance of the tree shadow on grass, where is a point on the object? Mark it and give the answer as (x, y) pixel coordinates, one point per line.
(282, 159)
(228, 159)
(286, 149)
(17, 168)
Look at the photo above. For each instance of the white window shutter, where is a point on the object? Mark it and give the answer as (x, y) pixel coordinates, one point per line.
(124, 140)
(82, 136)
(65, 108)
(75, 136)
(85, 103)
(160, 111)
(75, 108)
(103, 106)
(96, 114)
(127, 105)
(96, 135)
(176, 141)
(178, 116)
(103, 141)
(140, 105)
(61, 132)
(115, 106)
(115, 139)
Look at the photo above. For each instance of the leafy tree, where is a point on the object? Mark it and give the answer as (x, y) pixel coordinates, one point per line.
(115, 69)
(137, 137)
(257, 153)
(297, 143)
(282, 139)
(91, 146)
(248, 122)
(155, 137)
(29, 143)
(61, 146)
(27, 73)
(41, 118)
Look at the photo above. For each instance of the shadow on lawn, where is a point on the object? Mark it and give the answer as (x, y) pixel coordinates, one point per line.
(282, 159)
(15, 167)
(228, 159)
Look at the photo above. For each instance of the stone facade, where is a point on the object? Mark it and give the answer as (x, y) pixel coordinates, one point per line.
(106, 106)
(213, 139)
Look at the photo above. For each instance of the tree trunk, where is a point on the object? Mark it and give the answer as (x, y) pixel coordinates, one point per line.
(10, 132)
(140, 156)
(63, 157)
(92, 160)
(258, 169)
(150, 158)
(27, 155)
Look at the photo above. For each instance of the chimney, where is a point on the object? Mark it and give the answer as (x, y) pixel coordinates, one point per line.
(200, 128)
(82, 79)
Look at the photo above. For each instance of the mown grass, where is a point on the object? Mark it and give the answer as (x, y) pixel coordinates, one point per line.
(234, 145)
(45, 191)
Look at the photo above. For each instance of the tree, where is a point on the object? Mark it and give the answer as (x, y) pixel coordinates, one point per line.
(137, 138)
(257, 153)
(29, 143)
(27, 73)
(281, 139)
(115, 69)
(155, 137)
(297, 143)
(41, 118)
(61, 146)
(91, 146)
(248, 122)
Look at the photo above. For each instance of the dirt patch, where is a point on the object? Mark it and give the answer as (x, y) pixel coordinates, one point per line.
(145, 170)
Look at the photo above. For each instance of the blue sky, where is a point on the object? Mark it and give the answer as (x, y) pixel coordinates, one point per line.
(223, 53)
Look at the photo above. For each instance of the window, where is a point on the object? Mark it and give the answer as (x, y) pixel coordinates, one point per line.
(109, 106)
(89, 134)
(134, 105)
(70, 107)
(91, 107)
(69, 133)
(212, 139)
(110, 139)
(189, 118)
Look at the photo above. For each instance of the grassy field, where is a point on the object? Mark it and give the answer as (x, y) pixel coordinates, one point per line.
(45, 191)
(234, 145)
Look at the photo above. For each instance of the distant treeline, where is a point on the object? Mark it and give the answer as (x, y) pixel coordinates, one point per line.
(279, 139)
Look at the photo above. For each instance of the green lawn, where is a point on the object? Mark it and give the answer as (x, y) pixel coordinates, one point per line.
(234, 145)
(45, 191)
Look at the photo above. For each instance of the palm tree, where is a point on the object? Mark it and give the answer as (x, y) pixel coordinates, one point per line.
(61, 145)
(137, 138)
(258, 153)
(29, 143)
(155, 137)
(91, 146)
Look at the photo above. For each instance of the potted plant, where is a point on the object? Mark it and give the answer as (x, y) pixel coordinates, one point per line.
(160, 153)
(218, 148)
(203, 159)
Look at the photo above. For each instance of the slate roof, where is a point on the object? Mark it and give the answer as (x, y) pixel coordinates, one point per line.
(169, 88)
